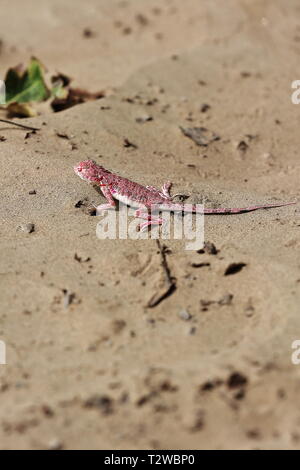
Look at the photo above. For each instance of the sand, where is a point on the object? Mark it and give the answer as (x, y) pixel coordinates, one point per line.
(89, 364)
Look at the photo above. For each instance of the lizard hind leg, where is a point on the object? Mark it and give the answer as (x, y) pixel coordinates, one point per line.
(150, 220)
(144, 225)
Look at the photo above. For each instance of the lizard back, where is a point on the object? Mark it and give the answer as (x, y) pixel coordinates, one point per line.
(130, 192)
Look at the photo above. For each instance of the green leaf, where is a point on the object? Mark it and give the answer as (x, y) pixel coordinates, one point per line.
(25, 86)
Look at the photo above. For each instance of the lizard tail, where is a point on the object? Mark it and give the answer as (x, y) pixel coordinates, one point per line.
(180, 207)
(238, 210)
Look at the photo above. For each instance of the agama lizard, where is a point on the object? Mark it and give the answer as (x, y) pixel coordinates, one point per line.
(145, 198)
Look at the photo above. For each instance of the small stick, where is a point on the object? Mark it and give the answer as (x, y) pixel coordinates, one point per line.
(20, 125)
(164, 263)
(170, 286)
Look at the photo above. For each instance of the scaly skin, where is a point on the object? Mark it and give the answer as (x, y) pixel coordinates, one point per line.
(145, 198)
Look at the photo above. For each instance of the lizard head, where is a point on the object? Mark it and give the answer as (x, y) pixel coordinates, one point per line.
(89, 171)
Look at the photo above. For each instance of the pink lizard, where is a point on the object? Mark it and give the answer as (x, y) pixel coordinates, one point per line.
(144, 198)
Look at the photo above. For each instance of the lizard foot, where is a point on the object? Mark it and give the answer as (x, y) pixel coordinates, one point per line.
(103, 207)
(144, 225)
(149, 220)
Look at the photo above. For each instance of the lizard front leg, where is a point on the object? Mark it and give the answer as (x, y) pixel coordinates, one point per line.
(166, 189)
(111, 204)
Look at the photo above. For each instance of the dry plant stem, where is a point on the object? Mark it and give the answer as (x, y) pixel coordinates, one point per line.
(164, 263)
(20, 125)
(170, 283)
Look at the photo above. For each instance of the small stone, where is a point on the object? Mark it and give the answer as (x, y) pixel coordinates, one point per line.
(253, 433)
(242, 146)
(204, 304)
(236, 380)
(32, 191)
(103, 402)
(47, 411)
(245, 74)
(184, 315)
(79, 204)
(144, 118)
(192, 330)
(142, 19)
(234, 268)
(68, 298)
(226, 299)
(88, 33)
(204, 107)
(127, 30)
(27, 228)
(55, 444)
(118, 325)
(208, 248)
(200, 135)
(127, 144)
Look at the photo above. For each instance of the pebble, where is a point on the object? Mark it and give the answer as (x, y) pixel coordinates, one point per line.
(55, 444)
(27, 228)
(144, 118)
(192, 330)
(184, 315)
(226, 299)
(68, 298)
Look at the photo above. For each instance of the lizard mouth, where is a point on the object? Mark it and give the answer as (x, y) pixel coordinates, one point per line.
(79, 171)
(88, 171)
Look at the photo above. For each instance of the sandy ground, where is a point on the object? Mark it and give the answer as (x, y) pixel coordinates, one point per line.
(89, 365)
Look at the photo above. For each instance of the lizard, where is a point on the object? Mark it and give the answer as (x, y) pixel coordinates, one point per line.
(145, 198)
